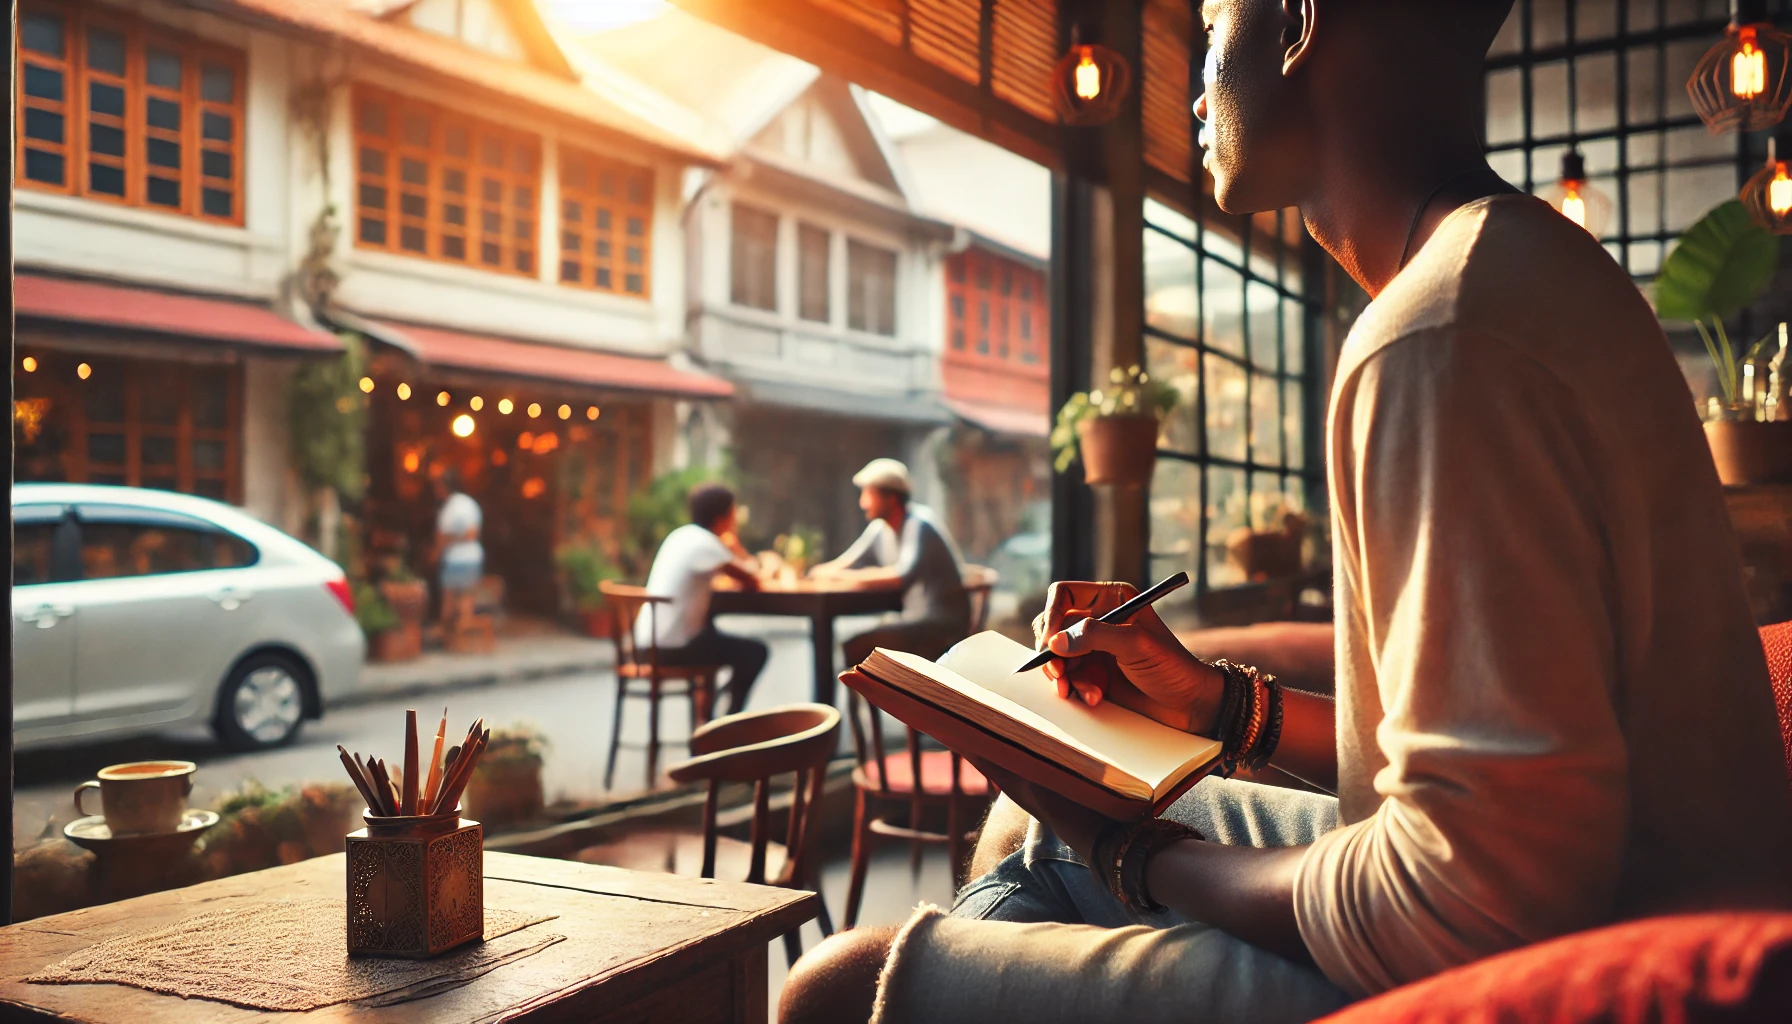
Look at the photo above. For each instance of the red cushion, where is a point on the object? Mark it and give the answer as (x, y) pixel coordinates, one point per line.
(936, 775)
(1776, 640)
(1693, 968)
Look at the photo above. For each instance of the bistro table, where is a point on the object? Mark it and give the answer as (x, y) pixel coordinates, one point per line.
(819, 602)
(638, 947)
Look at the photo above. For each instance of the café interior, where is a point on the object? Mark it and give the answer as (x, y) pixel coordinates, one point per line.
(691, 900)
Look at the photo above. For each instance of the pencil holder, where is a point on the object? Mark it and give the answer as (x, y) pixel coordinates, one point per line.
(416, 885)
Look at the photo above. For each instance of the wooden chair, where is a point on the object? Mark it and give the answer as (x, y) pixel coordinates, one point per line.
(756, 747)
(920, 780)
(640, 674)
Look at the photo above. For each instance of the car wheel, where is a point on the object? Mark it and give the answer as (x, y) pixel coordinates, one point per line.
(262, 704)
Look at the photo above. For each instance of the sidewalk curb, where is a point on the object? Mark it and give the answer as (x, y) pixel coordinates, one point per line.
(472, 677)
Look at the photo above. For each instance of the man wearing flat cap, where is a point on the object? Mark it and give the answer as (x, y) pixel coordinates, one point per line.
(903, 546)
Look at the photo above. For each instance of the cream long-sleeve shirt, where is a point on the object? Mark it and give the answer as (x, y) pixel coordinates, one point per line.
(1553, 709)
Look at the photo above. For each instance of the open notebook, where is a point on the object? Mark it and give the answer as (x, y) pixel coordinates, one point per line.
(972, 701)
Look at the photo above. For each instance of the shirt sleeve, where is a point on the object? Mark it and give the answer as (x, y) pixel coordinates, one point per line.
(708, 553)
(908, 554)
(863, 552)
(1483, 609)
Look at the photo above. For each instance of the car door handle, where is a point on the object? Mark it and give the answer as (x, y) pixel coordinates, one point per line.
(46, 615)
(230, 598)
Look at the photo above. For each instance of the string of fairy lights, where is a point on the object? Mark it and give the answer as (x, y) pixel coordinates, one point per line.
(464, 425)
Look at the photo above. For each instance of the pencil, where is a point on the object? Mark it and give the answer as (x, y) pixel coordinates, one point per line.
(408, 802)
(434, 783)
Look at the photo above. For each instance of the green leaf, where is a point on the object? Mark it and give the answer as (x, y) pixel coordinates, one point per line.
(1719, 266)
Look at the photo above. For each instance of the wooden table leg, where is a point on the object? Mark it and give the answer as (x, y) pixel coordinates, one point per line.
(821, 630)
(752, 1000)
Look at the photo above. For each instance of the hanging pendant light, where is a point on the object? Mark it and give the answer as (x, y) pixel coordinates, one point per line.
(1768, 195)
(1742, 83)
(1089, 83)
(1576, 199)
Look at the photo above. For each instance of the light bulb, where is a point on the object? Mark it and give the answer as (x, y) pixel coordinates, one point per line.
(1748, 68)
(534, 409)
(1573, 206)
(1779, 191)
(591, 412)
(29, 363)
(367, 385)
(84, 371)
(463, 425)
(404, 392)
(1088, 77)
(441, 398)
(566, 412)
(475, 403)
(505, 405)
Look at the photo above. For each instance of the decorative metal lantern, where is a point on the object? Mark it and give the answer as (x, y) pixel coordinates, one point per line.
(1768, 195)
(1576, 199)
(1089, 83)
(1743, 83)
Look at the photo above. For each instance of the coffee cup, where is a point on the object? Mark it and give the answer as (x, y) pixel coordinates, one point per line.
(141, 796)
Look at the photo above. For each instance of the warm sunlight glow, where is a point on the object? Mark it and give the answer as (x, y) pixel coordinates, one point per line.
(1779, 191)
(505, 405)
(29, 365)
(475, 403)
(534, 409)
(1748, 69)
(441, 398)
(1088, 78)
(85, 371)
(463, 425)
(566, 412)
(404, 392)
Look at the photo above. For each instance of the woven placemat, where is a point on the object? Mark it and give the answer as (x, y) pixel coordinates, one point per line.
(287, 955)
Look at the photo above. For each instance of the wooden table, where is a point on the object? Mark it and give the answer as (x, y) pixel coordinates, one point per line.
(639, 947)
(820, 603)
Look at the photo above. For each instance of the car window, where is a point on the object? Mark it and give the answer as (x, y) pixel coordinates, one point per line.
(118, 541)
(34, 543)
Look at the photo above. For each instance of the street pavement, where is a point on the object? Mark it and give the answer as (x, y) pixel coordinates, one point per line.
(573, 711)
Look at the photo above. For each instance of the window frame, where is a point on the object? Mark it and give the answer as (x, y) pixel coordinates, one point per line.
(864, 310)
(78, 117)
(806, 276)
(751, 271)
(519, 169)
(966, 292)
(583, 238)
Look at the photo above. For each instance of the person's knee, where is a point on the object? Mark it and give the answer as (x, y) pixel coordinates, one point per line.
(1004, 830)
(836, 982)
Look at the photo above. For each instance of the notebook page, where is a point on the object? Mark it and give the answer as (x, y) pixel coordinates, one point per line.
(1145, 749)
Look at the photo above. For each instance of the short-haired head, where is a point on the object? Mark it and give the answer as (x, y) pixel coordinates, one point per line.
(709, 504)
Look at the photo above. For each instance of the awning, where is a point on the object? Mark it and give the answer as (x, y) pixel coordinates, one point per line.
(119, 307)
(1002, 419)
(920, 409)
(558, 364)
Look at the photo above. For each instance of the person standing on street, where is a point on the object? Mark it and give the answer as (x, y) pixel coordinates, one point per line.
(460, 558)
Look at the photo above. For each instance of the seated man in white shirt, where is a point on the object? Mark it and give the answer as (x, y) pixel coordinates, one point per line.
(903, 547)
(683, 570)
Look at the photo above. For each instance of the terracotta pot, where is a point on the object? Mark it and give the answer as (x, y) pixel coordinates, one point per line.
(1118, 450)
(397, 644)
(409, 600)
(505, 792)
(599, 622)
(1750, 452)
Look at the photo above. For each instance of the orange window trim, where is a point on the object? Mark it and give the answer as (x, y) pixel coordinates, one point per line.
(606, 224)
(104, 120)
(973, 285)
(442, 186)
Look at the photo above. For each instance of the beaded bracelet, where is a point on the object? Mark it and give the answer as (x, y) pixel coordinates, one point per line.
(1249, 725)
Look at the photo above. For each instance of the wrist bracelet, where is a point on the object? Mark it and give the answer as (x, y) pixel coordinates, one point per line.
(1143, 840)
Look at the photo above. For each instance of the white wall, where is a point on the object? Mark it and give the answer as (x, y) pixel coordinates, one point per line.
(267, 487)
(967, 181)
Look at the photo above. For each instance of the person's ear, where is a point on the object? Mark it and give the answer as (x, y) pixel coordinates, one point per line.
(1297, 33)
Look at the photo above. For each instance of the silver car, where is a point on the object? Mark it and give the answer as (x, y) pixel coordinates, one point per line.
(138, 611)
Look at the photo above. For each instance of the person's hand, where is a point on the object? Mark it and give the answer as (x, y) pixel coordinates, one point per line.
(1070, 821)
(1139, 664)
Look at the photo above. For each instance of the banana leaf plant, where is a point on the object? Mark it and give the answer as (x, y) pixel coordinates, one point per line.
(1719, 267)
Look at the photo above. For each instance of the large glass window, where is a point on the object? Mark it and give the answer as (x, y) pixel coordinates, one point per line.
(1644, 146)
(870, 288)
(432, 183)
(114, 108)
(1226, 324)
(606, 223)
(753, 257)
(812, 272)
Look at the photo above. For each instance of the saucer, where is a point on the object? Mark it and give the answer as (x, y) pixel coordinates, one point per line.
(91, 833)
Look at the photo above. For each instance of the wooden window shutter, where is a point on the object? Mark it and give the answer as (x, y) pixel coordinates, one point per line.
(1167, 96)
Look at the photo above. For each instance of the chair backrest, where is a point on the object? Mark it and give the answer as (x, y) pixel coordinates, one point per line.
(979, 580)
(1776, 643)
(625, 603)
(867, 724)
(756, 747)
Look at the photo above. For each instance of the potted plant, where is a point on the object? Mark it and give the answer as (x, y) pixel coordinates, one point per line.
(798, 547)
(1114, 429)
(1720, 266)
(379, 622)
(584, 566)
(1272, 550)
(408, 597)
(506, 783)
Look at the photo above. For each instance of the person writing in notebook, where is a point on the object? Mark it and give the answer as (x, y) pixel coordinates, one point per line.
(684, 569)
(902, 546)
(1552, 707)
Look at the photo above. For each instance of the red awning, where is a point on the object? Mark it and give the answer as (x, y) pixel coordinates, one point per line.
(1002, 419)
(185, 316)
(557, 363)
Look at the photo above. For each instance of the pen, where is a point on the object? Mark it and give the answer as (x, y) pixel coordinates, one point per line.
(1118, 615)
